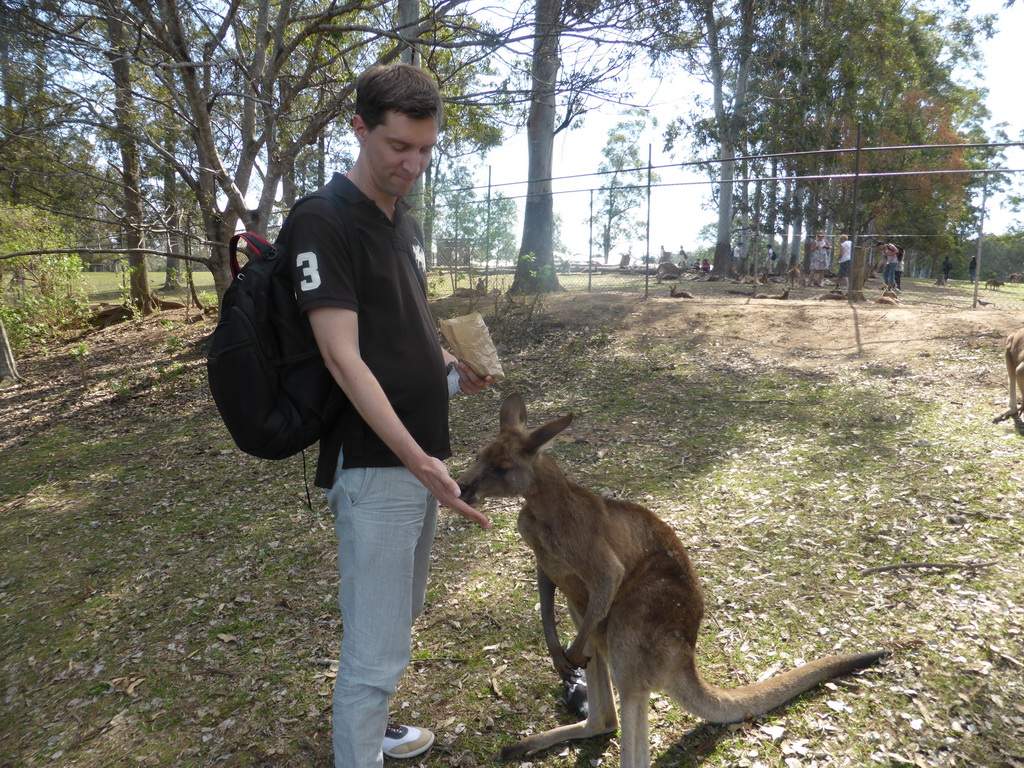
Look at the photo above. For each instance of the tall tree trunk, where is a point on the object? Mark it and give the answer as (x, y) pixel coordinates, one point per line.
(728, 121)
(772, 213)
(798, 225)
(744, 210)
(8, 367)
(172, 223)
(125, 122)
(535, 272)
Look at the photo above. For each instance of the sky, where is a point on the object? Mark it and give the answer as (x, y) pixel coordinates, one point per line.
(679, 212)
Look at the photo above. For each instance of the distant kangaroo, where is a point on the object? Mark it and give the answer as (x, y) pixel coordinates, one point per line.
(796, 275)
(1014, 356)
(632, 593)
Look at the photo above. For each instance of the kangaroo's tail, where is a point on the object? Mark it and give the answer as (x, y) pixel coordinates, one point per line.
(731, 705)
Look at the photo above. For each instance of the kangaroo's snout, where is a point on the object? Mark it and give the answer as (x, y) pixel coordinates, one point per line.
(467, 492)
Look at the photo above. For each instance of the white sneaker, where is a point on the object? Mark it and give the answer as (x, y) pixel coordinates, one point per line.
(402, 741)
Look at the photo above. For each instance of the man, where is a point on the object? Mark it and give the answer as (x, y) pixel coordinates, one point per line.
(891, 254)
(382, 461)
(737, 256)
(845, 256)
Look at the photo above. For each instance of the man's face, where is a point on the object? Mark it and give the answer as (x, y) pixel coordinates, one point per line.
(397, 151)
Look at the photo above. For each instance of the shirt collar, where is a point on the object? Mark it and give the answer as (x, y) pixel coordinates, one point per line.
(352, 194)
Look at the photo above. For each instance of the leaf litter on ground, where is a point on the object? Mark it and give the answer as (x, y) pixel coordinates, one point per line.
(168, 600)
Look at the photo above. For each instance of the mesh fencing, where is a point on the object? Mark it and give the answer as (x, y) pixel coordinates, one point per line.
(914, 291)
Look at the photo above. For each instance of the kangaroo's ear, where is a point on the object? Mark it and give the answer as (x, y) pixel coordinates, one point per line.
(513, 414)
(539, 439)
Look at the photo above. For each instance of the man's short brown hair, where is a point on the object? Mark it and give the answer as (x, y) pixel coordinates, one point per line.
(399, 87)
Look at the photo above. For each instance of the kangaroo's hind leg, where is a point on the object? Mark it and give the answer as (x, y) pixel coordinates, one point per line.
(634, 737)
(601, 718)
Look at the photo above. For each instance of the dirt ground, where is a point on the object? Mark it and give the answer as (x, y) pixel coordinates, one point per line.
(802, 333)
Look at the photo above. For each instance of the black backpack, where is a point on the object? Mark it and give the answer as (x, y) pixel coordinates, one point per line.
(266, 373)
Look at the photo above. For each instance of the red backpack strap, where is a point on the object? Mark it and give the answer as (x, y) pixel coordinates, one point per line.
(262, 248)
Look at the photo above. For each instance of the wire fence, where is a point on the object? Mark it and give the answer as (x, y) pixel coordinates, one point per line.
(475, 264)
(598, 278)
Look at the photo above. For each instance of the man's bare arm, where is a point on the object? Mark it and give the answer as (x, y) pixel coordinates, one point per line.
(337, 334)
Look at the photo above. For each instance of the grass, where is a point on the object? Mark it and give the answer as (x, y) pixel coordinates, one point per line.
(167, 600)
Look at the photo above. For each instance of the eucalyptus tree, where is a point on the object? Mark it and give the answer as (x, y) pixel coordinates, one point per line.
(622, 192)
(797, 76)
(126, 135)
(895, 82)
(42, 162)
(250, 88)
(579, 49)
(717, 42)
(480, 226)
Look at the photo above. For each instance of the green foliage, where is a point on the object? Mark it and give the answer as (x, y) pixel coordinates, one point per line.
(622, 194)
(889, 70)
(468, 227)
(40, 296)
(1001, 255)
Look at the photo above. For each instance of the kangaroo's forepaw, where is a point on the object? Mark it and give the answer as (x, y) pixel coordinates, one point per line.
(576, 657)
(562, 665)
(514, 751)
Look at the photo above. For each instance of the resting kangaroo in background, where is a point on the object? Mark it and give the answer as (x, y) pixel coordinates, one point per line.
(1014, 356)
(632, 593)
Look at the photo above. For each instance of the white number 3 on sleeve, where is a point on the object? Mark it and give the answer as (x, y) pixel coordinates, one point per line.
(307, 263)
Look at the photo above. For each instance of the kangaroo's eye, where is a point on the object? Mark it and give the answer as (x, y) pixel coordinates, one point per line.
(500, 471)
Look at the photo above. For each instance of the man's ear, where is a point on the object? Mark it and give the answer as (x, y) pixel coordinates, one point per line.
(359, 128)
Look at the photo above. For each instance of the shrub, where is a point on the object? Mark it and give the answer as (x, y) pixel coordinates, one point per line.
(40, 296)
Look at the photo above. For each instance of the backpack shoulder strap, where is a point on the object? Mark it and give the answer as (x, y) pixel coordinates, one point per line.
(263, 249)
(339, 206)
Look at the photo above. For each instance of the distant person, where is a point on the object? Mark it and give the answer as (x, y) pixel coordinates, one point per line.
(890, 254)
(947, 264)
(771, 259)
(821, 259)
(899, 271)
(705, 266)
(972, 268)
(737, 256)
(845, 259)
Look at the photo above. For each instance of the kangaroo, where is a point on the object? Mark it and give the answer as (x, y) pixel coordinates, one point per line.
(783, 296)
(796, 274)
(888, 297)
(1014, 355)
(667, 271)
(994, 283)
(676, 293)
(631, 590)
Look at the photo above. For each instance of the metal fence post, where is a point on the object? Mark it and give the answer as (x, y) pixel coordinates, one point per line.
(981, 236)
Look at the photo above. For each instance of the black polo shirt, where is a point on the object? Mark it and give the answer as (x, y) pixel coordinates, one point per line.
(382, 279)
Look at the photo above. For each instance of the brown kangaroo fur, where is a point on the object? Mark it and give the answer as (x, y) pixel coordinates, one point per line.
(994, 283)
(888, 297)
(783, 295)
(632, 593)
(676, 293)
(797, 274)
(667, 271)
(1014, 355)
